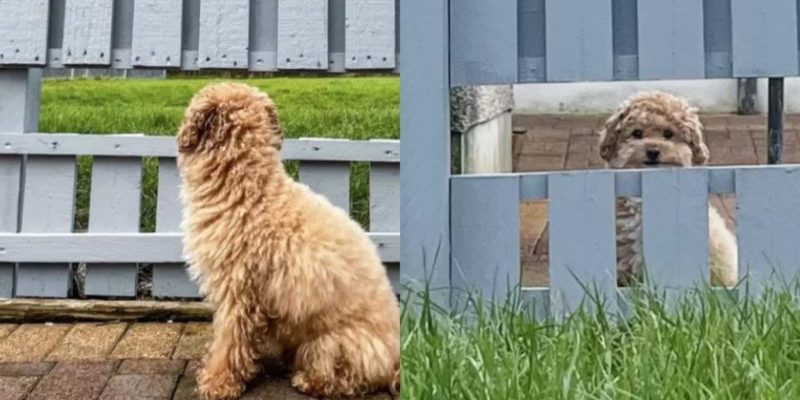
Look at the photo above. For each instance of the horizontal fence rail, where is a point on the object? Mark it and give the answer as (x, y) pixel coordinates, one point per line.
(255, 35)
(604, 40)
(39, 243)
(582, 241)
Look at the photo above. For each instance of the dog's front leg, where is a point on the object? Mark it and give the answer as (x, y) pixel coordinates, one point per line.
(230, 361)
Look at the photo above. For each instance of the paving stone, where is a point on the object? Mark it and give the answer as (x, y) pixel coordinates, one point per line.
(139, 387)
(193, 340)
(16, 388)
(6, 329)
(151, 367)
(185, 390)
(88, 342)
(149, 340)
(74, 381)
(31, 342)
(25, 369)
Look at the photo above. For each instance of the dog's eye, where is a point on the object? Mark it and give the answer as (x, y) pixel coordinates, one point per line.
(668, 134)
(637, 134)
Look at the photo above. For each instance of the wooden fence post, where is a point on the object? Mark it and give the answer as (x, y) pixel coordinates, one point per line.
(425, 146)
(19, 112)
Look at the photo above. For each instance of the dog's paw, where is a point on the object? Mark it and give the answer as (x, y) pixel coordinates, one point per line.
(217, 387)
(300, 382)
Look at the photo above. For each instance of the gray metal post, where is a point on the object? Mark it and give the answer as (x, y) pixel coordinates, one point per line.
(746, 93)
(20, 91)
(425, 147)
(775, 122)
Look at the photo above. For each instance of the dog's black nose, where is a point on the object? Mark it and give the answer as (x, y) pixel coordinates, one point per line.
(652, 155)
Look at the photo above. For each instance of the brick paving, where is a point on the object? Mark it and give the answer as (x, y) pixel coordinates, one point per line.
(119, 361)
(569, 142)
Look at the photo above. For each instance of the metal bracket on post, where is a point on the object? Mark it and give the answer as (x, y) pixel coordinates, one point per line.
(775, 122)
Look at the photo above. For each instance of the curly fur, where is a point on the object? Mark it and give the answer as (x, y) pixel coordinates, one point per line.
(290, 276)
(657, 129)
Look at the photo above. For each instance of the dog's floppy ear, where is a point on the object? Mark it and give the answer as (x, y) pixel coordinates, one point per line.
(700, 152)
(198, 125)
(610, 133)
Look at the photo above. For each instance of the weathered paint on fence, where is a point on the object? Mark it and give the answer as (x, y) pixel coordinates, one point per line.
(582, 234)
(45, 244)
(255, 35)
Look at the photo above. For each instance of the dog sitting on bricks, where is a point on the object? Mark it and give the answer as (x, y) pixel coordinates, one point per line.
(652, 130)
(290, 277)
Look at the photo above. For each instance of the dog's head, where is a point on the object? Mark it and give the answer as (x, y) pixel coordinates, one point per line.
(227, 118)
(653, 129)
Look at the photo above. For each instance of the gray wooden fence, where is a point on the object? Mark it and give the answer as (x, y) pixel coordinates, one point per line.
(38, 198)
(255, 35)
(462, 232)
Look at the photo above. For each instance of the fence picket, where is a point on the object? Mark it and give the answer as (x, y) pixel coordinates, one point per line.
(583, 262)
(170, 280)
(370, 34)
(87, 32)
(384, 206)
(224, 30)
(768, 224)
(156, 38)
(303, 34)
(48, 206)
(579, 42)
(764, 38)
(114, 207)
(330, 179)
(671, 39)
(23, 34)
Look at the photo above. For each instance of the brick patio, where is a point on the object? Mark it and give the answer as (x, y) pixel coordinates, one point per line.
(112, 361)
(568, 142)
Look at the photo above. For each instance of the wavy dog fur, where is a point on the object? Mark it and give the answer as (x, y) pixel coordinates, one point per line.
(291, 277)
(666, 126)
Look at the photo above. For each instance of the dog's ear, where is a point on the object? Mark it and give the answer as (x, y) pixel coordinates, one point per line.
(610, 134)
(694, 128)
(199, 124)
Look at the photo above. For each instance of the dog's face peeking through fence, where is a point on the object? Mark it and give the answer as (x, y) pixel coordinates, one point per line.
(228, 119)
(653, 129)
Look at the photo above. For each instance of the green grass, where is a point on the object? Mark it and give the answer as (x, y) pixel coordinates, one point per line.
(352, 108)
(718, 349)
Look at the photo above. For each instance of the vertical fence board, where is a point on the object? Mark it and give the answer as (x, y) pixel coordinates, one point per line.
(48, 206)
(170, 280)
(122, 34)
(768, 226)
(115, 204)
(370, 34)
(23, 32)
(717, 38)
(263, 35)
(764, 38)
(579, 40)
(384, 206)
(330, 179)
(626, 39)
(583, 262)
(485, 237)
(337, 26)
(483, 42)
(87, 32)
(671, 39)
(20, 92)
(190, 34)
(675, 228)
(157, 33)
(224, 30)
(303, 34)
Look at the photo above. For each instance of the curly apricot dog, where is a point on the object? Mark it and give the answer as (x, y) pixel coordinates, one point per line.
(290, 276)
(657, 129)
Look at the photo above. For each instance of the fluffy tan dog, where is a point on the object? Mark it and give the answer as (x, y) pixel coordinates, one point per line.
(290, 276)
(657, 129)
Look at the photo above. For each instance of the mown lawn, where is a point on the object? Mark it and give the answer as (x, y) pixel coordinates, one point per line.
(341, 107)
(717, 349)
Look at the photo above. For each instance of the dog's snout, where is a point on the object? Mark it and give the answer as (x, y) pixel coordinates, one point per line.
(652, 154)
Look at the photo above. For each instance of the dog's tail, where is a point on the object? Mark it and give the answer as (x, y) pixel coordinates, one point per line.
(394, 384)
